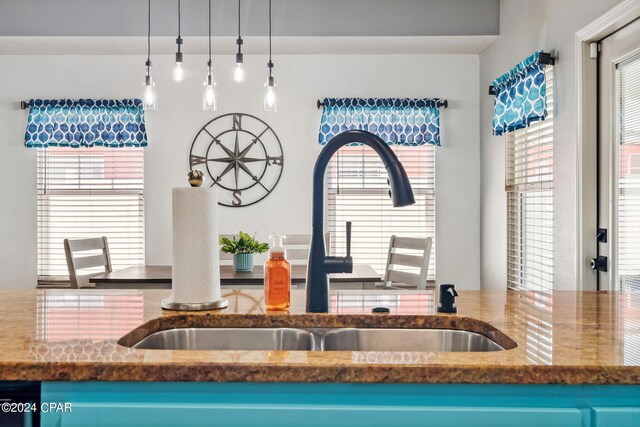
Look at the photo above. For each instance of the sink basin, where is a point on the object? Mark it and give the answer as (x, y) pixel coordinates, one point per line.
(228, 339)
(428, 340)
(318, 339)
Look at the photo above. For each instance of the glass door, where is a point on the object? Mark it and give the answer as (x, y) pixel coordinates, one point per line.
(618, 236)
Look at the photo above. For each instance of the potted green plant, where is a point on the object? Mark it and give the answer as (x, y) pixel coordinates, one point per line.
(242, 247)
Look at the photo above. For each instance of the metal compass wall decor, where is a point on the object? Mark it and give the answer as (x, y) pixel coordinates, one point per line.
(241, 154)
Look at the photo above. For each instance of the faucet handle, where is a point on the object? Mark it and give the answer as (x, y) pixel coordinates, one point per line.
(348, 238)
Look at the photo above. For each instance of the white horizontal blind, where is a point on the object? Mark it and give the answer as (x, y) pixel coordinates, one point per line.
(529, 186)
(357, 191)
(86, 193)
(628, 194)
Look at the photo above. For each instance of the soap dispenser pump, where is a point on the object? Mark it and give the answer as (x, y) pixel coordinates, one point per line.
(448, 296)
(277, 276)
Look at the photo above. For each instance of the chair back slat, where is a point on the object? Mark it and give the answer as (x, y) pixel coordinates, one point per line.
(297, 239)
(408, 260)
(76, 260)
(298, 245)
(90, 261)
(297, 254)
(409, 243)
(403, 277)
(86, 244)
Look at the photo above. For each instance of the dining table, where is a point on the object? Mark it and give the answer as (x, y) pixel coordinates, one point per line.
(159, 277)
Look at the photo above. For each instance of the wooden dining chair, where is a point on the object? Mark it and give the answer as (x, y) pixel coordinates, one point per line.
(78, 259)
(296, 245)
(407, 262)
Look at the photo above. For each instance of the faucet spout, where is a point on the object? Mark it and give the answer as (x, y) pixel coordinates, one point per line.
(320, 265)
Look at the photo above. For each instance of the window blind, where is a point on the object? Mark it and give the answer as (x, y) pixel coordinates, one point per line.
(86, 193)
(628, 192)
(529, 186)
(357, 191)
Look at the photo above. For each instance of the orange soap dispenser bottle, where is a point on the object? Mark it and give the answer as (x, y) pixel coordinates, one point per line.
(277, 277)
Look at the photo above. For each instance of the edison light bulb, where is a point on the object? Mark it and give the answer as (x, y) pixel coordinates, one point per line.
(149, 96)
(270, 95)
(209, 94)
(178, 72)
(238, 73)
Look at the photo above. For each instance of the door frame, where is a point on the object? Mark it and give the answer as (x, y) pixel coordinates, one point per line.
(623, 47)
(587, 134)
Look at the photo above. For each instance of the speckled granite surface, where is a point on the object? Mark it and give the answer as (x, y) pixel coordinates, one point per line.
(564, 337)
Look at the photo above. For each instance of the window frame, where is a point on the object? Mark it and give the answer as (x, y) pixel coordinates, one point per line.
(335, 227)
(520, 187)
(129, 164)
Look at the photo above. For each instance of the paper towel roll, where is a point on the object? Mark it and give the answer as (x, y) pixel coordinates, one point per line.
(196, 264)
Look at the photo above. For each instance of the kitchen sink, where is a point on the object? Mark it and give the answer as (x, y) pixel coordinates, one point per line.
(228, 339)
(318, 339)
(429, 340)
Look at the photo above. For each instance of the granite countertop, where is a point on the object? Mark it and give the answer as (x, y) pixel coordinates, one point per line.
(561, 337)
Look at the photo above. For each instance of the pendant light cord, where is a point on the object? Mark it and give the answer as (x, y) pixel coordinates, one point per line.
(179, 26)
(239, 18)
(239, 42)
(148, 36)
(270, 62)
(209, 32)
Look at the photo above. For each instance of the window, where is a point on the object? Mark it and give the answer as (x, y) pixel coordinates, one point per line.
(85, 193)
(357, 191)
(529, 186)
(627, 194)
(633, 160)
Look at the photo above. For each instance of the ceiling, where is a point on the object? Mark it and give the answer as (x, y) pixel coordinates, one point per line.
(309, 26)
(290, 17)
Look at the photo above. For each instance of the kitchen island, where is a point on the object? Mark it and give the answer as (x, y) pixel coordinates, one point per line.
(570, 359)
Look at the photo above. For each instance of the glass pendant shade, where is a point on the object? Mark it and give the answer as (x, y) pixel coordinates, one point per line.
(149, 96)
(238, 73)
(178, 72)
(270, 101)
(209, 94)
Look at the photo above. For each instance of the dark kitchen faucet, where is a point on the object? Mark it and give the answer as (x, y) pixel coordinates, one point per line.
(320, 265)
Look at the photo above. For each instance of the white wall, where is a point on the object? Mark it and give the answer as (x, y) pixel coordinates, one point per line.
(527, 26)
(302, 80)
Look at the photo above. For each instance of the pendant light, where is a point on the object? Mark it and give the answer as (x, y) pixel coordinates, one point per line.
(178, 71)
(149, 97)
(270, 85)
(238, 73)
(209, 101)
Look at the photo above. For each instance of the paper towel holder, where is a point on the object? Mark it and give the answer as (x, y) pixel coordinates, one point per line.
(194, 306)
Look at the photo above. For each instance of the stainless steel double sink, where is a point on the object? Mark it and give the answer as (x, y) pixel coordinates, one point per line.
(318, 339)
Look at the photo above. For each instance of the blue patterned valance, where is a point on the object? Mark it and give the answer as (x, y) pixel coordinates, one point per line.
(520, 96)
(85, 123)
(395, 120)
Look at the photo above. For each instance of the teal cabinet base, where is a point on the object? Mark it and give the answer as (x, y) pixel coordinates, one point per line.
(287, 404)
